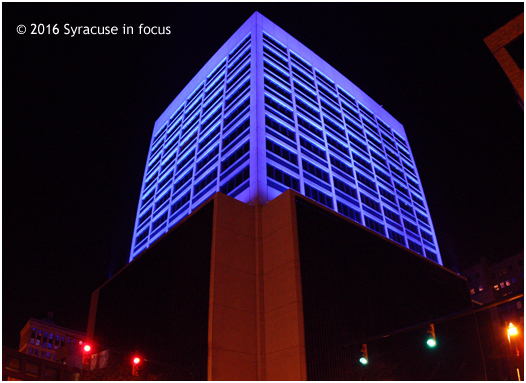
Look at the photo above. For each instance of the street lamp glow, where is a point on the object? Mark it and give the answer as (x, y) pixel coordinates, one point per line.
(512, 330)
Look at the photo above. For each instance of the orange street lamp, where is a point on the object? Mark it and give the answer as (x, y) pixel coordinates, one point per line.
(512, 330)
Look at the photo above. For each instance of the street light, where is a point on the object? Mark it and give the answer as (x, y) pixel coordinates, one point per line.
(512, 330)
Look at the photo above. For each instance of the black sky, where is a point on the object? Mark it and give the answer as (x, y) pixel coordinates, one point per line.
(78, 114)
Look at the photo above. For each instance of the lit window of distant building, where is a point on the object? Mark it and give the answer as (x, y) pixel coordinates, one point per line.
(508, 282)
(472, 291)
(502, 285)
(481, 288)
(496, 287)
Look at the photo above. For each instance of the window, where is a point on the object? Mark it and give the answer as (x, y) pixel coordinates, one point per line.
(278, 89)
(386, 194)
(183, 180)
(307, 109)
(342, 166)
(273, 72)
(237, 94)
(141, 237)
(344, 187)
(348, 212)
(431, 255)
(241, 128)
(313, 148)
(415, 247)
(391, 215)
(373, 225)
(282, 152)
(159, 221)
(370, 202)
(318, 196)
(314, 170)
(338, 146)
(206, 159)
(396, 237)
(205, 181)
(280, 109)
(180, 203)
(481, 288)
(186, 160)
(426, 236)
(410, 226)
(496, 287)
(283, 178)
(230, 160)
(235, 181)
(335, 127)
(472, 291)
(160, 202)
(311, 128)
(366, 181)
(361, 161)
(238, 111)
(282, 129)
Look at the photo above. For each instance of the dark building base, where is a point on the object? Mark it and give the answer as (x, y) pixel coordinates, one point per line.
(285, 291)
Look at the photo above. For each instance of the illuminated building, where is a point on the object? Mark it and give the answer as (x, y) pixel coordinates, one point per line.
(42, 338)
(282, 219)
(266, 114)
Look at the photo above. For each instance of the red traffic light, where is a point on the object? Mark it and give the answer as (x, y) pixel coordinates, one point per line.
(136, 360)
(87, 348)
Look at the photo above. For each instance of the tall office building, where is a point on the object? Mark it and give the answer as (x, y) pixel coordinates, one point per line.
(266, 114)
(294, 228)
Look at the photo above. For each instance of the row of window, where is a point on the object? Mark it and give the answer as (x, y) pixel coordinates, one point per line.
(330, 120)
(183, 149)
(273, 146)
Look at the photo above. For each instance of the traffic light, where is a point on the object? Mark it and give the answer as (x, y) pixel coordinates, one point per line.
(364, 357)
(135, 365)
(431, 337)
(86, 354)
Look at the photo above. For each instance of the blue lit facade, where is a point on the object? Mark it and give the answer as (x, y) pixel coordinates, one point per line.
(266, 114)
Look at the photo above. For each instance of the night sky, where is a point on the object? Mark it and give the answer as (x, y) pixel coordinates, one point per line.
(78, 114)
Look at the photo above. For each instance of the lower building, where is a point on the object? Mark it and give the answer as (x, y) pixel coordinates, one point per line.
(19, 366)
(42, 338)
(286, 291)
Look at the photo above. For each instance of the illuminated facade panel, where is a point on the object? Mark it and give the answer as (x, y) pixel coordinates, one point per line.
(266, 114)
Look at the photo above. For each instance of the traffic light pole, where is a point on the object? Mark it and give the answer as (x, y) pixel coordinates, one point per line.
(446, 318)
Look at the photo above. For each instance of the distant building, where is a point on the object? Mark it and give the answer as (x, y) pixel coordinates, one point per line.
(490, 283)
(42, 338)
(507, 45)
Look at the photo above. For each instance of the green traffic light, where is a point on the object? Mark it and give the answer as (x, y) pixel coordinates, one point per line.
(431, 342)
(363, 360)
